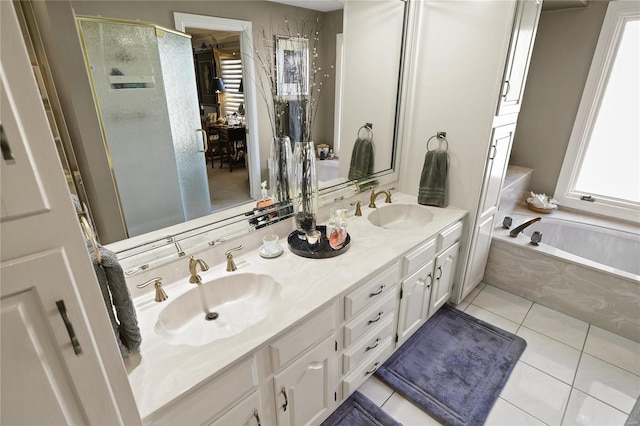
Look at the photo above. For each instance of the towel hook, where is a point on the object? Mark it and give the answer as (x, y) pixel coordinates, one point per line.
(369, 127)
(440, 136)
(90, 236)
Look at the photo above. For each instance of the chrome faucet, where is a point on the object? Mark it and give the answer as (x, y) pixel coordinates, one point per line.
(374, 195)
(231, 265)
(193, 264)
(515, 231)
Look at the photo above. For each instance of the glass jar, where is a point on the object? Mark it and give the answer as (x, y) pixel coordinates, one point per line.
(305, 188)
(281, 169)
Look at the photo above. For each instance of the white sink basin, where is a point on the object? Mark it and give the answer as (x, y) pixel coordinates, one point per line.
(400, 216)
(240, 300)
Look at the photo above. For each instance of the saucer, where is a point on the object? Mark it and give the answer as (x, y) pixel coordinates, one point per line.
(266, 255)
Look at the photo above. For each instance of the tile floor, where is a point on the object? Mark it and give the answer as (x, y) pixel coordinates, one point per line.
(571, 373)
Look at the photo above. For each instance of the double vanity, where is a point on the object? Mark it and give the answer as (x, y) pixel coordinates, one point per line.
(293, 336)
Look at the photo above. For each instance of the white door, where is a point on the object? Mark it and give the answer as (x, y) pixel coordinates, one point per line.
(520, 50)
(414, 301)
(305, 390)
(443, 274)
(59, 361)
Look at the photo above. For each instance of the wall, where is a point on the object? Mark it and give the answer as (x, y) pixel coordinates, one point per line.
(562, 55)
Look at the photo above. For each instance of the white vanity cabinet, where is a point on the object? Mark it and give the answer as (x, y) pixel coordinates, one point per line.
(428, 280)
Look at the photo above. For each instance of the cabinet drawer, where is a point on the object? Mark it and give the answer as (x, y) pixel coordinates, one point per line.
(449, 236)
(418, 257)
(200, 406)
(367, 345)
(368, 293)
(369, 319)
(245, 412)
(366, 369)
(302, 337)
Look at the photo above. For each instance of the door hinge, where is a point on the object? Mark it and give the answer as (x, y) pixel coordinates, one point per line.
(335, 396)
(396, 337)
(336, 345)
(401, 292)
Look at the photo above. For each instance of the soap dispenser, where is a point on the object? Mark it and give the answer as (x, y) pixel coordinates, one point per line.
(265, 200)
(338, 234)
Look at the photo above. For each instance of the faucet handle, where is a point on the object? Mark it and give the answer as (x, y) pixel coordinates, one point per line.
(231, 265)
(358, 210)
(388, 192)
(161, 295)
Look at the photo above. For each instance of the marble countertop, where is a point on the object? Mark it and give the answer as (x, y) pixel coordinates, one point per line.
(163, 371)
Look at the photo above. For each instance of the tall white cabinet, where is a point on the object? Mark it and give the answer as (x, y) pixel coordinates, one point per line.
(523, 34)
(59, 363)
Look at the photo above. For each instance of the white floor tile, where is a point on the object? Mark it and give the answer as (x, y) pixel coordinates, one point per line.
(376, 390)
(549, 355)
(614, 349)
(407, 413)
(462, 305)
(507, 305)
(492, 318)
(537, 393)
(506, 414)
(472, 295)
(608, 383)
(588, 411)
(557, 325)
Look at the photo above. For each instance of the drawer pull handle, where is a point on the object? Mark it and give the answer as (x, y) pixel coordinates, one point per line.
(439, 276)
(375, 320)
(77, 349)
(375, 367)
(255, 414)
(380, 290)
(375, 345)
(283, 391)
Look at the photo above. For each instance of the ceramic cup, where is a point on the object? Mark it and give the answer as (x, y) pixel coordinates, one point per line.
(270, 244)
(313, 236)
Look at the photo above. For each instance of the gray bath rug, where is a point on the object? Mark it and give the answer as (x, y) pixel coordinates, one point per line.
(454, 367)
(358, 410)
(634, 415)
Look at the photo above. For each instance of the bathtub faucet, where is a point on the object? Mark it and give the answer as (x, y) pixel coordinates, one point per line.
(515, 231)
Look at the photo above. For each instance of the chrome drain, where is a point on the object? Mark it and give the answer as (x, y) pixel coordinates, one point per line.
(211, 316)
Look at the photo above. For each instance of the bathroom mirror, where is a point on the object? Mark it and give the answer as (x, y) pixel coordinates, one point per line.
(360, 47)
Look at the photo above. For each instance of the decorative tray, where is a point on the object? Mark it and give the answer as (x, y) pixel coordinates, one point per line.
(540, 209)
(320, 250)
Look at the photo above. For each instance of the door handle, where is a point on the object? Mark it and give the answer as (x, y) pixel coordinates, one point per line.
(283, 391)
(439, 276)
(204, 140)
(77, 349)
(493, 152)
(507, 88)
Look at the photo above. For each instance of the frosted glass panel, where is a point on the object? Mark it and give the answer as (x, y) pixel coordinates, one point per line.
(179, 76)
(611, 165)
(136, 123)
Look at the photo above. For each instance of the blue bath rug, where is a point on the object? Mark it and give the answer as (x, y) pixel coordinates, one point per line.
(358, 410)
(453, 367)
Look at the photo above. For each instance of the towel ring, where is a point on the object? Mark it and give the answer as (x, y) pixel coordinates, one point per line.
(91, 237)
(367, 126)
(439, 138)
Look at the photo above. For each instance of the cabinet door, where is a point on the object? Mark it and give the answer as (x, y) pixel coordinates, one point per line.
(443, 273)
(305, 391)
(414, 301)
(496, 168)
(59, 363)
(479, 253)
(520, 50)
(245, 413)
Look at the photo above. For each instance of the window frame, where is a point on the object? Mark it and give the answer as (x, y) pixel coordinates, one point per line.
(618, 13)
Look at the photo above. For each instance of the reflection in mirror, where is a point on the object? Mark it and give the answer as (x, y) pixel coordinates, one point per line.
(364, 90)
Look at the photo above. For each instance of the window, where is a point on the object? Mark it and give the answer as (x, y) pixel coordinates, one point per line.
(601, 169)
(232, 76)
